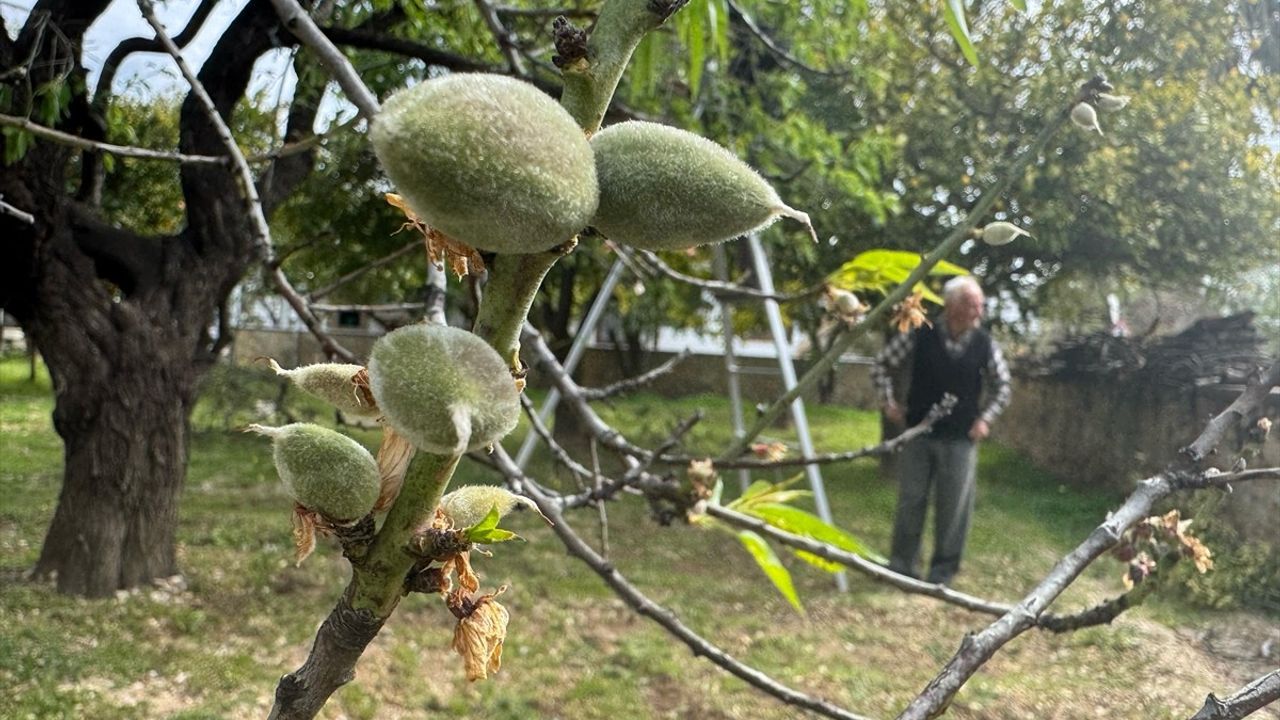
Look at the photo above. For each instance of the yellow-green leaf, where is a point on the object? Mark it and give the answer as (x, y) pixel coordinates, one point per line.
(772, 566)
(800, 522)
(954, 10)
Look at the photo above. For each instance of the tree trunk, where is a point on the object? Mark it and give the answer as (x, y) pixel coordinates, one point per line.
(126, 444)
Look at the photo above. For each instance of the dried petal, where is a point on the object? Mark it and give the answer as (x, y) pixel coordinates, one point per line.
(304, 533)
(479, 636)
(393, 461)
(910, 313)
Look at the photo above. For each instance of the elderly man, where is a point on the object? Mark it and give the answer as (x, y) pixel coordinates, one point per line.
(953, 356)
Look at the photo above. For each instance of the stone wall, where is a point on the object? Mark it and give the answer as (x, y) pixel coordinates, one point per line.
(1097, 432)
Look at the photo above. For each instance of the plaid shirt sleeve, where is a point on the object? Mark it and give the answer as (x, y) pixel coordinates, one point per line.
(998, 376)
(891, 356)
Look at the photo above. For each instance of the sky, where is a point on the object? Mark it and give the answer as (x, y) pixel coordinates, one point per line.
(150, 74)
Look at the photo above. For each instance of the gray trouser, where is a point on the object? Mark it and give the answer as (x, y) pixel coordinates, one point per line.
(945, 467)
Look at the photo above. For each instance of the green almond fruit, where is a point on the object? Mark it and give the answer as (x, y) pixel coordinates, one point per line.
(470, 504)
(662, 188)
(324, 470)
(488, 160)
(444, 389)
(333, 383)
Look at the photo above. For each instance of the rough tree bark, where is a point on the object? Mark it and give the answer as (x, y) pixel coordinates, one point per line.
(122, 319)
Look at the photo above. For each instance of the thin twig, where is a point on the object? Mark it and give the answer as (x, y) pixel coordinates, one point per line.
(777, 50)
(726, 291)
(953, 240)
(642, 605)
(75, 141)
(384, 260)
(501, 35)
(13, 212)
(600, 504)
(248, 189)
(633, 383)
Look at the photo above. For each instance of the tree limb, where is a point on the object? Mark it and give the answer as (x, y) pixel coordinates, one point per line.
(639, 381)
(384, 260)
(726, 291)
(975, 650)
(953, 240)
(1254, 696)
(298, 22)
(646, 607)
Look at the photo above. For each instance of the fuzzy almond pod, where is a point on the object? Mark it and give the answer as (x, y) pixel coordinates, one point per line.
(446, 390)
(1001, 233)
(1112, 102)
(1084, 116)
(325, 471)
(488, 160)
(662, 188)
(469, 504)
(335, 383)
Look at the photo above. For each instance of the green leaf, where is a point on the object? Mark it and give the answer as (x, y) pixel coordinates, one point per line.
(16, 144)
(820, 563)
(772, 566)
(487, 530)
(880, 270)
(718, 11)
(954, 10)
(716, 492)
(1019, 5)
(765, 492)
(800, 522)
(694, 34)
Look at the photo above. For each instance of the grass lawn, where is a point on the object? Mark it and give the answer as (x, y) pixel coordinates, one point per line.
(214, 646)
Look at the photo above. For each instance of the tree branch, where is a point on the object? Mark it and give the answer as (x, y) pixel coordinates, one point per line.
(591, 77)
(646, 607)
(1254, 696)
(298, 22)
(639, 381)
(953, 240)
(384, 260)
(726, 291)
(977, 649)
(506, 41)
(244, 177)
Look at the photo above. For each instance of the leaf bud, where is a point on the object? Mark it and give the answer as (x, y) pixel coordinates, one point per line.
(1112, 102)
(1001, 233)
(1083, 115)
(488, 160)
(469, 504)
(446, 390)
(662, 188)
(325, 471)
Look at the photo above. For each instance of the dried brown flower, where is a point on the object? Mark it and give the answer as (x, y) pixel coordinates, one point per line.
(462, 258)
(910, 313)
(480, 633)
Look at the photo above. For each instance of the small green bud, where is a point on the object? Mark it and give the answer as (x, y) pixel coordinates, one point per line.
(324, 470)
(1084, 116)
(1112, 102)
(469, 504)
(335, 383)
(488, 160)
(662, 188)
(1001, 233)
(444, 389)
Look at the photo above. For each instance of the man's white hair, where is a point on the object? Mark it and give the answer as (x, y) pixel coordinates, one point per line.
(960, 284)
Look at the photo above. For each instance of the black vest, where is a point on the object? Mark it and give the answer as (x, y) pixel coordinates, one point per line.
(934, 372)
